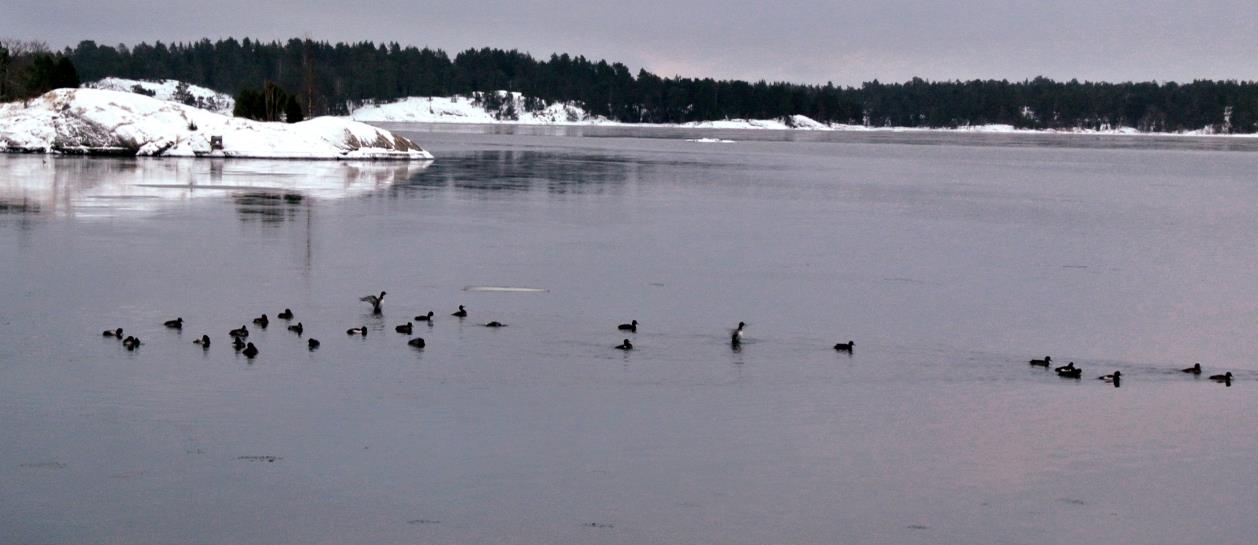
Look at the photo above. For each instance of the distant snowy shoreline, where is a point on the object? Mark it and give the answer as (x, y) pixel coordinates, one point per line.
(504, 108)
(511, 109)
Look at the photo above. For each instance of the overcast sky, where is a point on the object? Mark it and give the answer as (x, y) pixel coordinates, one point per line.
(845, 41)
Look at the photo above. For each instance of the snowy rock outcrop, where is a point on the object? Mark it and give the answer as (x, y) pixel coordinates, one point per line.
(485, 108)
(171, 90)
(97, 121)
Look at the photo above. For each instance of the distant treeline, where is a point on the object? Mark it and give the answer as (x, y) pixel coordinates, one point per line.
(327, 78)
(28, 69)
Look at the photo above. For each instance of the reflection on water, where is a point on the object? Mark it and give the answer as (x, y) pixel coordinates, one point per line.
(96, 187)
(527, 170)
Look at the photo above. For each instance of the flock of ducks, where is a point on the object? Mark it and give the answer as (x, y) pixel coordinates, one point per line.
(1070, 371)
(250, 351)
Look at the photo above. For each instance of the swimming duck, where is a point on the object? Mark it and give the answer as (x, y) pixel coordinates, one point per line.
(736, 337)
(1068, 367)
(250, 351)
(1112, 378)
(131, 343)
(357, 331)
(261, 321)
(1042, 363)
(417, 342)
(204, 341)
(238, 343)
(286, 315)
(1195, 369)
(238, 333)
(1225, 378)
(312, 343)
(626, 345)
(375, 300)
(405, 328)
(844, 347)
(425, 318)
(297, 328)
(462, 313)
(1074, 372)
(117, 333)
(177, 323)
(495, 324)
(631, 326)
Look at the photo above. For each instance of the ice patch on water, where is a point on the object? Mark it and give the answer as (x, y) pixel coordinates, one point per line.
(505, 289)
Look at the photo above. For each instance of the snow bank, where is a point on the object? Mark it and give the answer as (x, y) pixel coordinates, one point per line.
(499, 107)
(97, 121)
(171, 90)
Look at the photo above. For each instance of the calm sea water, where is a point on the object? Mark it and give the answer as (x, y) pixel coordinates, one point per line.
(950, 260)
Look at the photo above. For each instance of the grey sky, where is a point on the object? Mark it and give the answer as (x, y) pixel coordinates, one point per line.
(845, 41)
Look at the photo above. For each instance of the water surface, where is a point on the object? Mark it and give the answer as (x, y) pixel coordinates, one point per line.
(949, 261)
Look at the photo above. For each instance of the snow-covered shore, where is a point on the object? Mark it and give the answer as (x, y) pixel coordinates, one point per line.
(504, 108)
(510, 109)
(98, 121)
(171, 90)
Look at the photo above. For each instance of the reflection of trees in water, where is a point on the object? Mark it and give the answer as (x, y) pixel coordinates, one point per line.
(268, 208)
(526, 170)
(18, 207)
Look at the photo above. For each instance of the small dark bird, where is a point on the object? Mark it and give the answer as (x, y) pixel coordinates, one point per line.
(462, 313)
(131, 343)
(1073, 372)
(357, 331)
(495, 324)
(177, 323)
(626, 345)
(204, 341)
(286, 315)
(239, 333)
(117, 333)
(261, 321)
(375, 300)
(297, 328)
(425, 318)
(405, 328)
(1112, 378)
(1042, 363)
(736, 336)
(844, 347)
(250, 351)
(312, 343)
(1195, 369)
(1068, 367)
(238, 343)
(631, 326)
(1225, 378)
(417, 342)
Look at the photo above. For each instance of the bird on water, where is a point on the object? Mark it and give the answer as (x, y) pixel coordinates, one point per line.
(845, 347)
(1195, 369)
(626, 345)
(177, 323)
(631, 326)
(286, 315)
(375, 300)
(1042, 363)
(461, 313)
